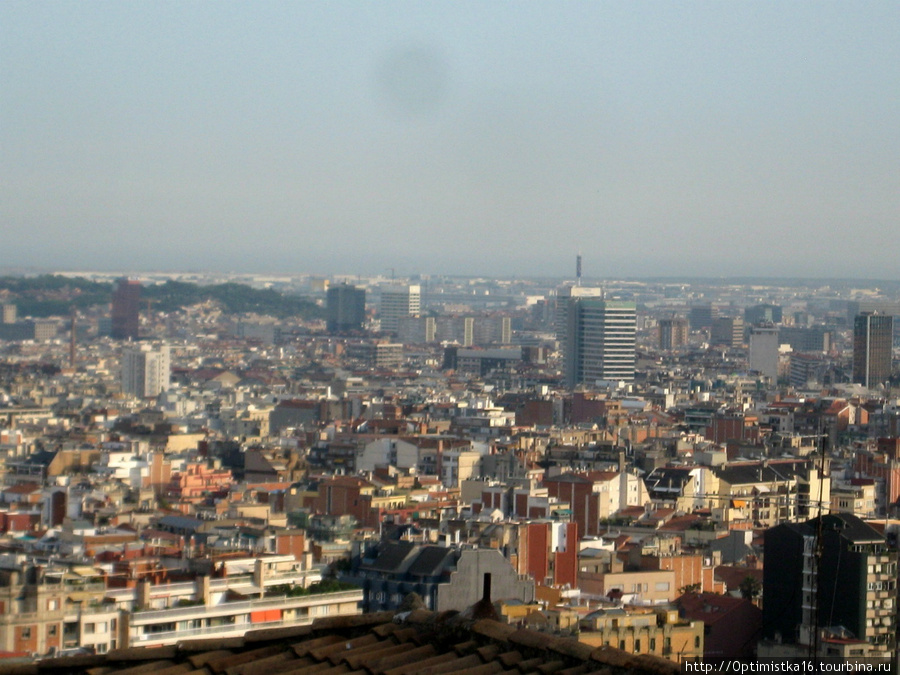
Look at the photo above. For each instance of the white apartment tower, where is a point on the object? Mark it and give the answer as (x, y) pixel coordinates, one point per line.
(398, 301)
(764, 350)
(600, 341)
(146, 370)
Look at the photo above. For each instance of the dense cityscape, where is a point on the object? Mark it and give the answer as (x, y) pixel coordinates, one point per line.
(650, 469)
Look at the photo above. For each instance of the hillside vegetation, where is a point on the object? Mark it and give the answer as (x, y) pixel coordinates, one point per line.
(51, 295)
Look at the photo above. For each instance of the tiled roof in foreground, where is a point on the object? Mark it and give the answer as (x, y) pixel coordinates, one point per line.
(418, 643)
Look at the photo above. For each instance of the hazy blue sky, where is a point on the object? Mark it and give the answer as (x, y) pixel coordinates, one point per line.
(692, 138)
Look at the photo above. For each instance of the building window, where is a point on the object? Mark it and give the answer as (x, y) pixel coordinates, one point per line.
(51, 630)
(637, 646)
(52, 605)
(25, 633)
(89, 628)
(696, 642)
(652, 644)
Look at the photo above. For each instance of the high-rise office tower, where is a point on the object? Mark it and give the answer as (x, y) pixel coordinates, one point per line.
(146, 371)
(563, 295)
(600, 340)
(673, 333)
(764, 350)
(126, 309)
(345, 308)
(873, 336)
(398, 301)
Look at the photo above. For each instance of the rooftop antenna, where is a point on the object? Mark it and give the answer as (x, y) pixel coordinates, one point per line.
(578, 270)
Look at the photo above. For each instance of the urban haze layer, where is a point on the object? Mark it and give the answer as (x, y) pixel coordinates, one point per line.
(675, 468)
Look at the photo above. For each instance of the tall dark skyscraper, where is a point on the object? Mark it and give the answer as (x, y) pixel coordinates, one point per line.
(125, 309)
(873, 336)
(840, 573)
(345, 308)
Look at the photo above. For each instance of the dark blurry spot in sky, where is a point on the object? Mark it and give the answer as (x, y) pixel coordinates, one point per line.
(413, 79)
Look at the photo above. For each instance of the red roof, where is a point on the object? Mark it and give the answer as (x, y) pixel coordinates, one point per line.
(708, 607)
(22, 488)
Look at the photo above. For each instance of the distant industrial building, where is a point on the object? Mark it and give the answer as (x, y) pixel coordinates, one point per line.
(266, 332)
(463, 330)
(817, 339)
(28, 330)
(481, 361)
(381, 356)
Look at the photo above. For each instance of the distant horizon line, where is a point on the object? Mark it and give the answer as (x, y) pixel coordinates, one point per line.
(666, 278)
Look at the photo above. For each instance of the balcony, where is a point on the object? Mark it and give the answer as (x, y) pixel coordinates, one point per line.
(231, 630)
(232, 610)
(149, 617)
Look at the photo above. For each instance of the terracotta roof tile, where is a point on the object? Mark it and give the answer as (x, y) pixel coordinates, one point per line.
(357, 657)
(483, 669)
(575, 670)
(287, 633)
(322, 653)
(305, 647)
(529, 665)
(309, 669)
(226, 664)
(510, 659)
(410, 656)
(150, 667)
(264, 666)
(413, 668)
(488, 652)
(465, 647)
(177, 669)
(453, 666)
(202, 658)
(415, 643)
(293, 665)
